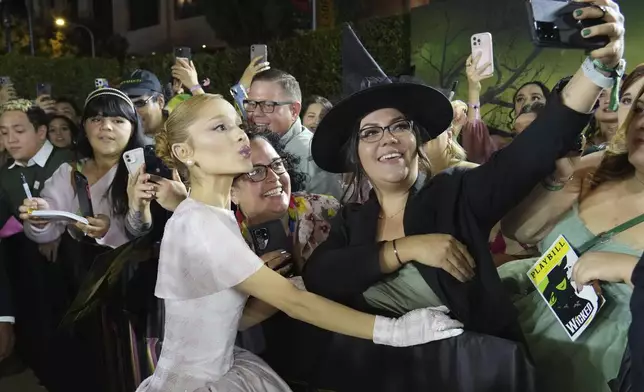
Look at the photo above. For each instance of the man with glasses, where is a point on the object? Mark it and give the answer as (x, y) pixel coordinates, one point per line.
(274, 103)
(146, 92)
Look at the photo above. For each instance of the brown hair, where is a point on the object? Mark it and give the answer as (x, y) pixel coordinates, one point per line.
(176, 127)
(615, 164)
(287, 81)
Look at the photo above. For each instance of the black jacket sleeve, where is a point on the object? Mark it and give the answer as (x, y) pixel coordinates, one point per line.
(495, 187)
(636, 332)
(6, 308)
(338, 270)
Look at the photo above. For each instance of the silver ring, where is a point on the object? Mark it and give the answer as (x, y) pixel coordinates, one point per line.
(603, 10)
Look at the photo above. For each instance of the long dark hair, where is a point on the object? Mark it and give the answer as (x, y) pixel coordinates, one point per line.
(112, 106)
(544, 89)
(73, 128)
(358, 174)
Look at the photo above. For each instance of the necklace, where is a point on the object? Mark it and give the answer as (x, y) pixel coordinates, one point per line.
(391, 216)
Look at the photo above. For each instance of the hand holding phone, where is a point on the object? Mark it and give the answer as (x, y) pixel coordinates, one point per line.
(483, 54)
(553, 25)
(259, 50)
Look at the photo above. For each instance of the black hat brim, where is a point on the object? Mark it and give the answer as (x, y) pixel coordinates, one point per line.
(425, 105)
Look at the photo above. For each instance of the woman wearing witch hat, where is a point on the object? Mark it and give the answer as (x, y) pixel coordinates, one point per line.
(387, 255)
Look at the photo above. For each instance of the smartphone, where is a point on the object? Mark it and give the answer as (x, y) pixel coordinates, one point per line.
(5, 80)
(183, 52)
(101, 83)
(552, 25)
(134, 159)
(270, 236)
(239, 95)
(83, 194)
(43, 89)
(482, 43)
(154, 165)
(259, 50)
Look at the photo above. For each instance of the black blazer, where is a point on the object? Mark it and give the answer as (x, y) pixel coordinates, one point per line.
(463, 203)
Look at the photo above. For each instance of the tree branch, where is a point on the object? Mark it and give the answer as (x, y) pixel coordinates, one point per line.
(429, 62)
(492, 92)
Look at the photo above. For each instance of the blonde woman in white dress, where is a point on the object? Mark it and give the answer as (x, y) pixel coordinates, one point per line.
(207, 272)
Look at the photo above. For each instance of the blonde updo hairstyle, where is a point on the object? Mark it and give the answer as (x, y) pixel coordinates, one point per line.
(176, 129)
(457, 104)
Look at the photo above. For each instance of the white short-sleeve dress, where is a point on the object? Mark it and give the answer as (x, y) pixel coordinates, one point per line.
(203, 257)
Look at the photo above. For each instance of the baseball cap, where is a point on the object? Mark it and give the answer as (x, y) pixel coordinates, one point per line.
(141, 82)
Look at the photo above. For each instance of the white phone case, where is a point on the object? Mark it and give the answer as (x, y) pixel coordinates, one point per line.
(482, 42)
(134, 159)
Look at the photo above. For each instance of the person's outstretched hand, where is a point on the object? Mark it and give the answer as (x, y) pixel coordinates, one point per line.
(416, 327)
(256, 66)
(609, 11)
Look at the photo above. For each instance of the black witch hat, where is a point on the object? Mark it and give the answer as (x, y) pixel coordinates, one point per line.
(367, 88)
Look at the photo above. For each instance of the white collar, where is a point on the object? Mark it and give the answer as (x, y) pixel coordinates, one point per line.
(40, 158)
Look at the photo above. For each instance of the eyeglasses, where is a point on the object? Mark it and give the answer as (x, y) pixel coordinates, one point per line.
(260, 172)
(266, 106)
(374, 134)
(142, 103)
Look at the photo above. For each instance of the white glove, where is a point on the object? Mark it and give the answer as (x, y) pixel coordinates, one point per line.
(416, 327)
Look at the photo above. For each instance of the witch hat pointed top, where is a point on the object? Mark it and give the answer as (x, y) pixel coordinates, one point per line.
(367, 89)
(359, 69)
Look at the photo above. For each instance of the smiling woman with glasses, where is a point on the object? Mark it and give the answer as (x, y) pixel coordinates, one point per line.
(422, 240)
(272, 192)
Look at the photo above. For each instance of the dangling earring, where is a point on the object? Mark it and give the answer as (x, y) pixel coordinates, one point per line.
(189, 162)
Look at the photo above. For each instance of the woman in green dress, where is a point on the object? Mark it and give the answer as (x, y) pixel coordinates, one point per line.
(604, 192)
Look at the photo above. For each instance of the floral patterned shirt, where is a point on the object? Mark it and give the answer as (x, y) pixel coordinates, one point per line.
(309, 215)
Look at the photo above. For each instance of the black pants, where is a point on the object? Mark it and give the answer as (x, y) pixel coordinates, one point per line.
(60, 359)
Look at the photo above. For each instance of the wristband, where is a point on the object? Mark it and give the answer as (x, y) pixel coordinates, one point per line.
(195, 88)
(593, 70)
(552, 185)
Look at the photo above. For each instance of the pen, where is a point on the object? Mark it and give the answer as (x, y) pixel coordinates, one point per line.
(25, 186)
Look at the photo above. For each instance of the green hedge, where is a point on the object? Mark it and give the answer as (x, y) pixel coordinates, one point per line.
(313, 58)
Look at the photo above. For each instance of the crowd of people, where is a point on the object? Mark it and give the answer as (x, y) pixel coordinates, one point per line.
(377, 243)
